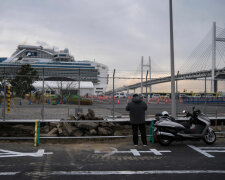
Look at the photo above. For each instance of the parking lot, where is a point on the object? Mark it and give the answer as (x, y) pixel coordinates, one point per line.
(110, 159)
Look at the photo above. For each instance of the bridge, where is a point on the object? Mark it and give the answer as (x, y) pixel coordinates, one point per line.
(205, 53)
(219, 74)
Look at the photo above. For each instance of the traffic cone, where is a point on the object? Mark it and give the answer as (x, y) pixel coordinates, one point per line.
(158, 101)
(118, 102)
(127, 101)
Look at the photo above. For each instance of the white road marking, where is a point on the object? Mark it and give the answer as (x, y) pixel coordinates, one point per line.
(7, 153)
(138, 172)
(58, 173)
(222, 148)
(135, 152)
(156, 152)
(205, 150)
(8, 173)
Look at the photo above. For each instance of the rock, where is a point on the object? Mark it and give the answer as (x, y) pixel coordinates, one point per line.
(53, 131)
(72, 117)
(68, 128)
(53, 124)
(117, 133)
(77, 133)
(88, 126)
(126, 126)
(93, 132)
(90, 115)
(46, 129)
(60, 131)
(107, 124)
(80, 116)
(104, 131)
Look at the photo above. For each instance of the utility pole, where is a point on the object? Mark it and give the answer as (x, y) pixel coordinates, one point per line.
(113, 94)
(177, 83)
(3, 110)
(150, 75)
(213, 57)
(79, 92)
(146, 84)
(173, 107)
(142, 64)
(43, 95)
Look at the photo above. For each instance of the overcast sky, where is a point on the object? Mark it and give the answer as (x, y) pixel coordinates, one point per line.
(114, 32)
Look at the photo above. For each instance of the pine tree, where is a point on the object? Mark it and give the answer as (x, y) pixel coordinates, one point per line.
(25, 77)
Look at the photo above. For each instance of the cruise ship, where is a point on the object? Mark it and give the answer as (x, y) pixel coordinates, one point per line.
(53, 65)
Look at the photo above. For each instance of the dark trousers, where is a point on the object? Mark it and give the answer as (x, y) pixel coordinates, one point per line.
(135, 133)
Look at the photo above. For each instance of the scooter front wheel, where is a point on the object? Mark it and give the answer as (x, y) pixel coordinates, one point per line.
(164, 140)
(209, 137)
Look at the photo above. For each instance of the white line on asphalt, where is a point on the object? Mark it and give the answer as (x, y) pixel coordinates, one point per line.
(201, 151)
(212, 148)
(8, 153)
(135, 152)
(137, 172)
(59, 173)
(8, 173)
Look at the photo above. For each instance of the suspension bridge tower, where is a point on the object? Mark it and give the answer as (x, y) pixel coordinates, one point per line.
(214, 40)
(142, 71)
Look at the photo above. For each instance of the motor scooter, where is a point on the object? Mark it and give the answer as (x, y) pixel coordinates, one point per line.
(167, 129)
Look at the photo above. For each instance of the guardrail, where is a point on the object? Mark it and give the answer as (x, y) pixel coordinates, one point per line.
(105, 120)
(119, 120)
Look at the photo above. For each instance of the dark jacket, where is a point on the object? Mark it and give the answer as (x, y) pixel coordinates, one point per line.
(137, 110)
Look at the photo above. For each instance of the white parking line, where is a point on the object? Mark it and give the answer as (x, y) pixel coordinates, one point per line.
(8, 173)
(69, 173)
(8, 153)
(138, 172)
(205, 150)
(135, 152)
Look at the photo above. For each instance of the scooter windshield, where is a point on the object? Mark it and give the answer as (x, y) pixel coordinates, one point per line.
(203, 117)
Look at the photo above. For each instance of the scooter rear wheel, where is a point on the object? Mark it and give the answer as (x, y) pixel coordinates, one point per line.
(164, 140)
(209, 137)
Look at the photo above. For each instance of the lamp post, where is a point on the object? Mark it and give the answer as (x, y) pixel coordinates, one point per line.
(173, 107)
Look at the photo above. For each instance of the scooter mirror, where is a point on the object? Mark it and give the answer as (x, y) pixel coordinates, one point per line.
(184, 112)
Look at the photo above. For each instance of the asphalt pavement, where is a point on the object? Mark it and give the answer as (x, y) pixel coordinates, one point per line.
(111, 159)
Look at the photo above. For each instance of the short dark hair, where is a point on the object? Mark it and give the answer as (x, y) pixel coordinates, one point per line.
(135, 95)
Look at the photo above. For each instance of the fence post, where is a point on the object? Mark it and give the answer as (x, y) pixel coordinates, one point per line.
(113, 95)
(151, 132)
(43, 98)
(36, 133)
(8, 100)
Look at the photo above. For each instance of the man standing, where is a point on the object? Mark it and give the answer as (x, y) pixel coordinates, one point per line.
(137, 110)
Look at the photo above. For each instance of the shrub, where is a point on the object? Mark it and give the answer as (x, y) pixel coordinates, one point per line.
(72, 100)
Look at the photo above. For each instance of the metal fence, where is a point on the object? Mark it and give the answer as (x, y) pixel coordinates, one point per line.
(64, 97)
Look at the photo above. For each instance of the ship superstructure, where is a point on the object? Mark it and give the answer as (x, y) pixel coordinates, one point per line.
(53, 65)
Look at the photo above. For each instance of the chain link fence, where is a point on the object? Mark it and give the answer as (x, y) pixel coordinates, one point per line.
(61, 99)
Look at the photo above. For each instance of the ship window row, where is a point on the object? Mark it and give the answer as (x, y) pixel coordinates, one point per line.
(34, 54)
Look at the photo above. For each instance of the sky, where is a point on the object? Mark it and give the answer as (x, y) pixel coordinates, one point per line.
(116, 33)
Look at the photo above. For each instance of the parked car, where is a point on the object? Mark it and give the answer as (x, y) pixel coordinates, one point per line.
(183, 96)
(197, 96)
(156, 96)
(167, 96)
(121, 95)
